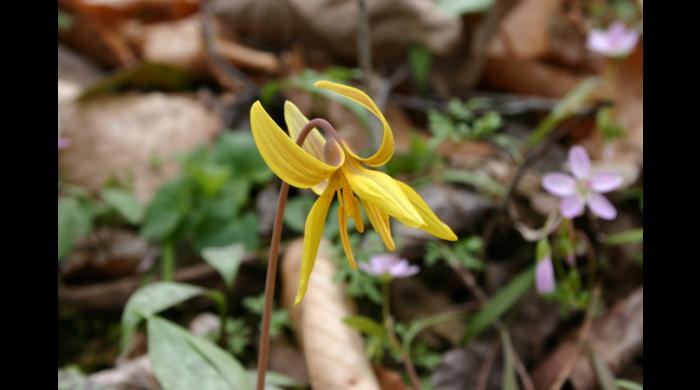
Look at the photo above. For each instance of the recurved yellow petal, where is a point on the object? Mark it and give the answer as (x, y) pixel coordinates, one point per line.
(342, 225)
(433, 224)
(295, 122)
(386, 149)
(313, 231)
(314, 142)
(381, 191)
(284, 157)
(380, 223)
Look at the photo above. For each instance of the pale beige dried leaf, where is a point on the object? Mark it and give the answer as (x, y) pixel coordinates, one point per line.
(334, 352)
(331, 25)
(181, 43)
(526, 29)
(130, 137)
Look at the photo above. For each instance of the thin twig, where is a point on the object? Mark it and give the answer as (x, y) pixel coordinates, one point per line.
(481, 39)
(485, 371)
(228, 74)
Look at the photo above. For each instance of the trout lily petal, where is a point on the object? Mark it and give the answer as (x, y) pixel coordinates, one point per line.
(331, 169)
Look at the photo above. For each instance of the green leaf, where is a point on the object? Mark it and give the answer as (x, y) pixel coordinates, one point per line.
(278, 380)
(65, 20)
(569, 105)
(183, 361)
(74, 223)
(365, 325)
(420, 60)
(152, 299)
(634, 236)
(226, 260)
(500, 303)
(237, 150)
(126, 204)
(217, 232)
(142, 76)
(628, 385)
(297, 210)
(461, 7)
(509, 382)
(167, 209)
(210, 176)
(481, 182)
(274, 380)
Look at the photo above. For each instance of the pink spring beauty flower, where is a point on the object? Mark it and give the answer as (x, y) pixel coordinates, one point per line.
(389, 264)
(544, 276)
(63, 143)
(583, 188)
(616, 41)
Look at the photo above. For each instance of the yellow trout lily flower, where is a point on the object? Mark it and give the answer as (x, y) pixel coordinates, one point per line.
(330, 168)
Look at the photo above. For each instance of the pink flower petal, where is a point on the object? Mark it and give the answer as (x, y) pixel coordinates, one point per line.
(559, 184)
(579, 163)
(598, 42)
(601, 206)
(544, 276)
(605, 181)
(572, 206)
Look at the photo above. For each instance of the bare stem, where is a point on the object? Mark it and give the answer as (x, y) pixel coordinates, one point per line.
(264, 347)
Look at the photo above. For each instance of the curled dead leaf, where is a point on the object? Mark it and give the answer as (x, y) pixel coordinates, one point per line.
(334, 352)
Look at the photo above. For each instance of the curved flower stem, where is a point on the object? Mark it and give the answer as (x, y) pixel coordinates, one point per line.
(389, 325)
(270, 279)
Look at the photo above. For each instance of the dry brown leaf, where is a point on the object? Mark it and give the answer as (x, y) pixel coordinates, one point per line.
(122, 136)
(617, 337)
(389, 379)
(525, 31)
(115, 11)
(334, 352)
(508, 74)
(626, 155)
(181, 43)
(109, 253)
(331, 25)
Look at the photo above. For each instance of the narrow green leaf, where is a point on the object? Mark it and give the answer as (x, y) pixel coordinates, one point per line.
(570, 104)
(628, 385)
(167, 209)
(226, 260)
(365, 325)
(74, 222)
(500, 303)
(126, 204)
(152, 299)
(274, 380)
(461, 7)
(481, 182)
(296, 212)
(182, 361)
(510, 381)
(634, 236)
(420, 59)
